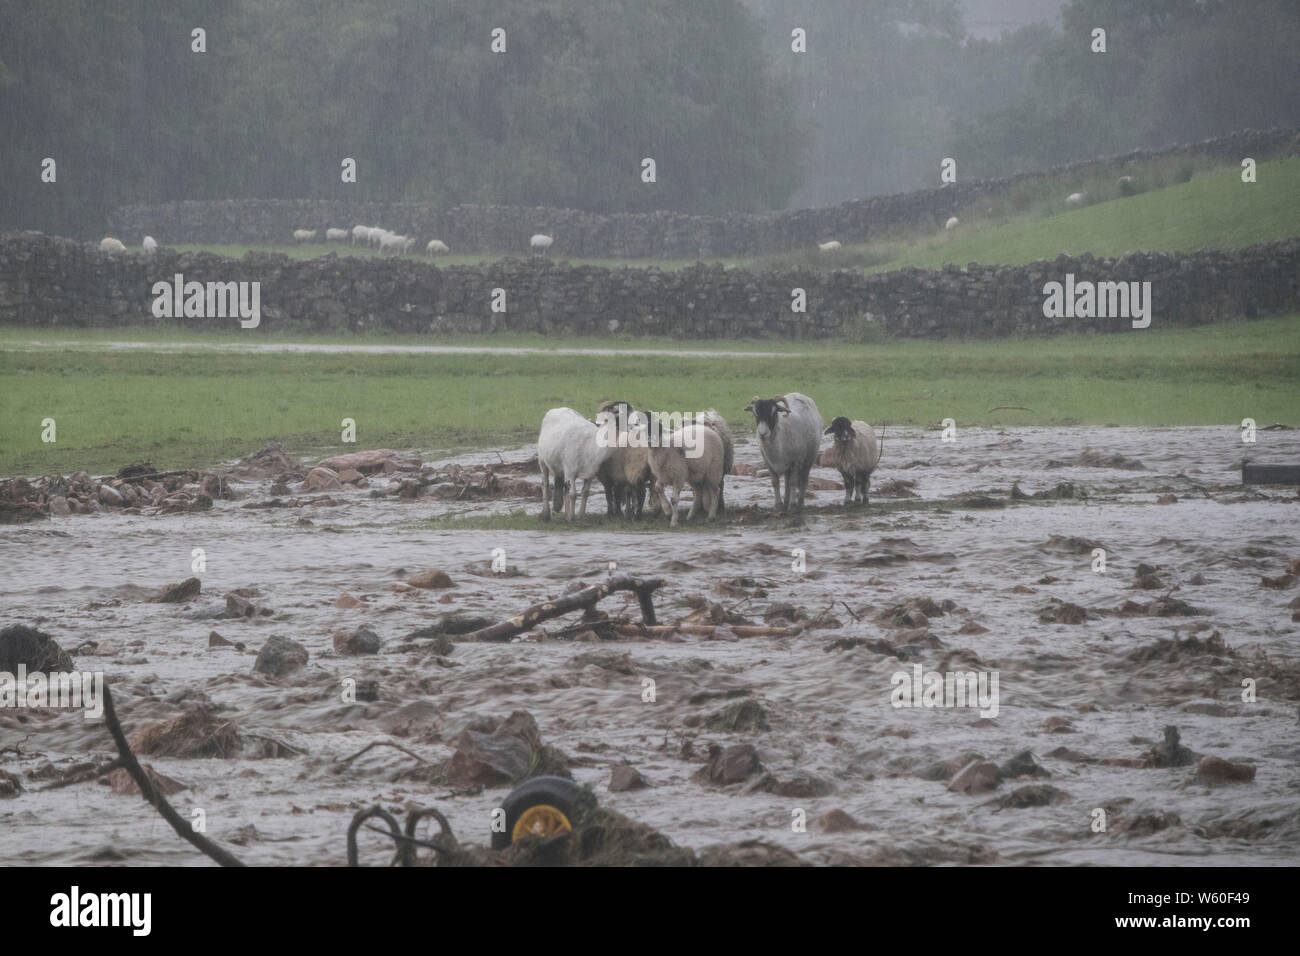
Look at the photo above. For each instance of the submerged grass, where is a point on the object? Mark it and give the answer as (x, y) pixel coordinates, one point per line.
(190, 408)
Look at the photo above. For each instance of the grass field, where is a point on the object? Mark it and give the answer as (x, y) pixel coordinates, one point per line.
(1212, 210)
(196, 407)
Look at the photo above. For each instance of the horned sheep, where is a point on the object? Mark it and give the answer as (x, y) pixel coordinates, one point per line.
(789, 437)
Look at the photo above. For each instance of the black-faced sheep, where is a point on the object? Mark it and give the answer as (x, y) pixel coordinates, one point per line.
(789, 436)
(856, 454)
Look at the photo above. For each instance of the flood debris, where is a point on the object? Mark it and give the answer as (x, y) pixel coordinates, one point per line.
(584, 599)
(625, 777)
(1170, 753)
(729, 765)
(186, 590)
(1090, 458)
(494, 752)
(32, 649)
(1217, 770)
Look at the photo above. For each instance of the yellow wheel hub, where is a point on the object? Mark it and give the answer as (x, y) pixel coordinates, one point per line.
(542, 820)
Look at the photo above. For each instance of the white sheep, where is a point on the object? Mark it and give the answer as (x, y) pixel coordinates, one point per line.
(567, 450)
(540, 242)
(335, 235)
(1075, 199)
(952, 223)
(672, 468)
(436, 247)
(789, 438)
(392, 242)
(626, 474)
(855, 453)
(304, 235)
(109, 244)
(361, 233)
(150, 245)
(832, 246)
(719, 425)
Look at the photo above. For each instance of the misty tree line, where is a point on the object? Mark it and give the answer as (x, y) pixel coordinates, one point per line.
(710, 89)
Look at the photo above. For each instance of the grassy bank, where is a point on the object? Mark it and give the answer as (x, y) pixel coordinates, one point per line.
(194, 407)
(1171, 206)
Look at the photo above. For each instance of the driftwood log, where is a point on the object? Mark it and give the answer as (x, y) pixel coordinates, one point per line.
(579, 600)
(184, 829)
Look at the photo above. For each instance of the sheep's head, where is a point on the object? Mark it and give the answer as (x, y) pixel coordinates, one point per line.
(842, 429)
(767, 412)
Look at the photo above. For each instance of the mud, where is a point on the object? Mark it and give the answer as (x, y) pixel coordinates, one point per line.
(746, 733)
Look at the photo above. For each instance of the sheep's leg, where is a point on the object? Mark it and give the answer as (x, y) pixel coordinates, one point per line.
(586, 490)
(850, 487)
(803, 485)
(677, 497)
(776, 490)
(789, 480)
(570, 490)
(715, 501)
(722, 507)
(866, 488)
(546, 493)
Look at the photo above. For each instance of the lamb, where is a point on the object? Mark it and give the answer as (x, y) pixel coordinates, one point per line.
(109, 244)
(437, 247)
(150, 245)
(789, 437)
(304, 235)
(672, 468)
(856, 455)
(952, 223)
(567, 449)
(540, 243)
(335, 235)
(832, 246)
(1075, 199)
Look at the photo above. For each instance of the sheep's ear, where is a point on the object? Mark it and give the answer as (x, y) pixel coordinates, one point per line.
(829, 430)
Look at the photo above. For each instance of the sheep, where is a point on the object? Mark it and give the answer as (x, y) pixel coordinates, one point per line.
(568, 450)
(626, 475)
(789, 438)
(437, 247)
(150, 245)
(109, 244)
(335, 235)
(362, 233)
(832, 246)
(540, 243)
(304, 235)
(391, 241)
(672, 467)
(856, 455)
(1075, 199)
(952, 223)
(407, 243)
(719, 425)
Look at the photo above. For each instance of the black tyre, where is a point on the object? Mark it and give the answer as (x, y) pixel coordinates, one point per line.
(543, 806)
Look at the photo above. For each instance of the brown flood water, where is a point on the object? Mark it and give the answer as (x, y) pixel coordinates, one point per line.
(1074, 686)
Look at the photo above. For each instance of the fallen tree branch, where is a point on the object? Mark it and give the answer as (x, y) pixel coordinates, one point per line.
(579, 600)
(178, 823)
(705, 630)
(381, 743)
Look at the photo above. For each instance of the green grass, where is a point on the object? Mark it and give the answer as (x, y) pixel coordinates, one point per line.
(1214, 210)
(194, 408)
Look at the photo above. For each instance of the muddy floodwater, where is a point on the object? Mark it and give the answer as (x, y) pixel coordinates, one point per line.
(1091, 666)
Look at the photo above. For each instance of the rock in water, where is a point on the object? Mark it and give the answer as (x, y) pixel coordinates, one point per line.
(280, 656)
